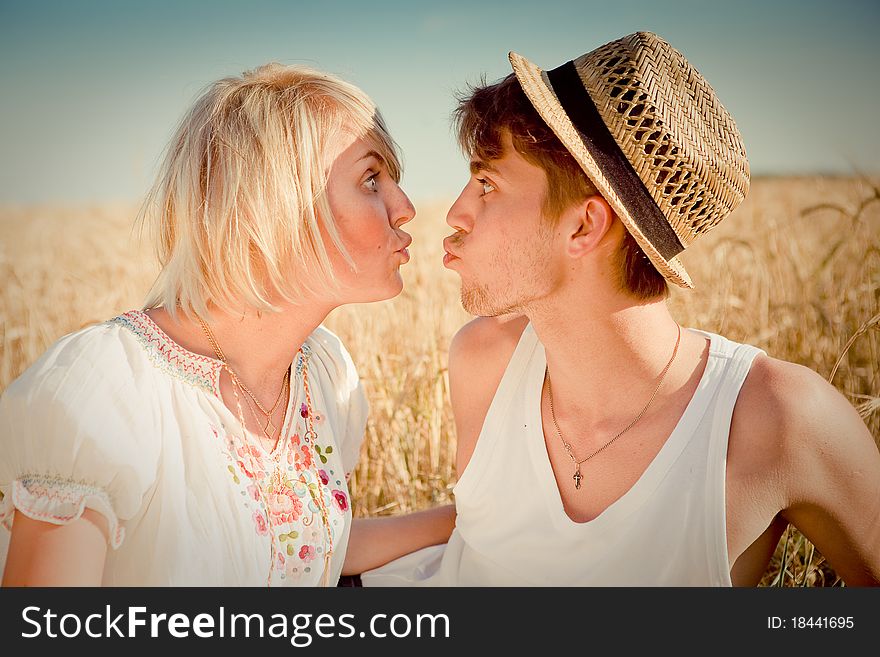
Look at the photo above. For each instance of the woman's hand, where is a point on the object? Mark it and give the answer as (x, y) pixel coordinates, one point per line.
(44, 554)
(373, 542)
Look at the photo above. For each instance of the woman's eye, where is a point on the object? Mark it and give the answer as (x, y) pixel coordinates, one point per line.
(371, 183)
(486, 185)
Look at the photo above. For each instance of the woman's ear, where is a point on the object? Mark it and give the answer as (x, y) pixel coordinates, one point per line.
(587, 224)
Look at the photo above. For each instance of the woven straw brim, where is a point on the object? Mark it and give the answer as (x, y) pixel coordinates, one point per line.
(538, 90)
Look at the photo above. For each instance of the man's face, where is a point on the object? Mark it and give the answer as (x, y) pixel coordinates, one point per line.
(502, 247)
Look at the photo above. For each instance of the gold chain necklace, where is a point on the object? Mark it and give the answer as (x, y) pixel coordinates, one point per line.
(269, 435)
(577, 464)
(238, 382)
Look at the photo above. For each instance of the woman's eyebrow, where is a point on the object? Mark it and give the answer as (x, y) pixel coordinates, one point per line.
(373, 154)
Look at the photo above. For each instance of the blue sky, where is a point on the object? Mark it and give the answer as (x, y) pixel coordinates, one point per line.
(92, 90)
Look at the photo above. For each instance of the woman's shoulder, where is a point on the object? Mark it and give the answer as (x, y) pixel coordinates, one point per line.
(328, 357)
(328, 341)
(327, 348)
(76, 430)
(93, 358)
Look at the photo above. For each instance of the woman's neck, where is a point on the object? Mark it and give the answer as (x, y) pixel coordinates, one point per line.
(258, 346)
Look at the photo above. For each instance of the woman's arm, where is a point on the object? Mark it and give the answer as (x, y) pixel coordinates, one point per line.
(373, 542)
(43, 554)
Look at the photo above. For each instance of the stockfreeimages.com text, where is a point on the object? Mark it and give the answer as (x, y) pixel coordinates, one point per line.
(300, 629)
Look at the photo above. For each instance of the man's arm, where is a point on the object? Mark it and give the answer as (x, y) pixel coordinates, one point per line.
(828, 467)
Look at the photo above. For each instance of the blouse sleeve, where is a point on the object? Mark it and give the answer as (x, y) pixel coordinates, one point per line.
(352, 407)
(72, 436)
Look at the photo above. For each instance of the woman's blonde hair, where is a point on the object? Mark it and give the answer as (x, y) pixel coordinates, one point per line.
(236, 206)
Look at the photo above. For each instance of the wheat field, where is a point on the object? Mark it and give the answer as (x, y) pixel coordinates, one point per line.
(795, 271)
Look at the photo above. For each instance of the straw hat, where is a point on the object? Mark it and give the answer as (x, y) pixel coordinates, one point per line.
(652, 136)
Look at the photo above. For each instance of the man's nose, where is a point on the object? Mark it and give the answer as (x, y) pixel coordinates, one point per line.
(459, 216)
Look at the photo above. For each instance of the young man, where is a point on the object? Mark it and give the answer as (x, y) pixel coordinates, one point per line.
(600, 443)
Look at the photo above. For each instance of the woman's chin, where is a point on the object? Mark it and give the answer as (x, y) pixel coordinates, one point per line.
(395, 287)
(389, 290)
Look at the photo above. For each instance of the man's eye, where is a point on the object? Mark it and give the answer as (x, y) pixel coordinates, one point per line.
(486, 185)
(371, 183)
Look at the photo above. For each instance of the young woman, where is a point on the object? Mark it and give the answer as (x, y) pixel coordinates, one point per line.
(207, 439)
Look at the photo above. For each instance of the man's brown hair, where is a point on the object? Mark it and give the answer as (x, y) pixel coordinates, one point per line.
(490, 111)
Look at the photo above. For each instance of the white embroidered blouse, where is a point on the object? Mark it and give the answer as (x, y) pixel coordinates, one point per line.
(120, 419)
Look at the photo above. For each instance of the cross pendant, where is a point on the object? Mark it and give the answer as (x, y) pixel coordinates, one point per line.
(577, 478)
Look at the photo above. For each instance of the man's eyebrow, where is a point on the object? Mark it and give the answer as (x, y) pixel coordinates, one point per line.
(374, 154)
(480, 165)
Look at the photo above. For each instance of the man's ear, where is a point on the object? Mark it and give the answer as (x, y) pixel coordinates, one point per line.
(587, 224)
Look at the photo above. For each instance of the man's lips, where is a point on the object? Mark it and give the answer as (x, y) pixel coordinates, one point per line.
(447, 246)
(450, 256)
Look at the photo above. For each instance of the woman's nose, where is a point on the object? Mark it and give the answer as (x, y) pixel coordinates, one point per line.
(404, 211)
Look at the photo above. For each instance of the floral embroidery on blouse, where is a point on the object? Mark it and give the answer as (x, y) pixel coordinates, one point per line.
(307, 553)
(280, 490)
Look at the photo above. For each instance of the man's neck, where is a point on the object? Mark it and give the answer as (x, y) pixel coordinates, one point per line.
(604, 355)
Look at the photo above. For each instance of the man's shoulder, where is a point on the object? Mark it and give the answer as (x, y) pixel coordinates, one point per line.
(782, 395)
(486, 340)
(786, 411)
(799, 445)
(478, 356)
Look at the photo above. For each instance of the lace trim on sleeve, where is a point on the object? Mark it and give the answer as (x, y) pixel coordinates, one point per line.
(58, 501)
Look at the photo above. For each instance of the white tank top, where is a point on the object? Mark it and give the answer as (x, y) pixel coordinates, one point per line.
(669, 529)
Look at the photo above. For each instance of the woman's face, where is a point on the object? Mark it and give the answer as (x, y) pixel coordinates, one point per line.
(369, 208)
